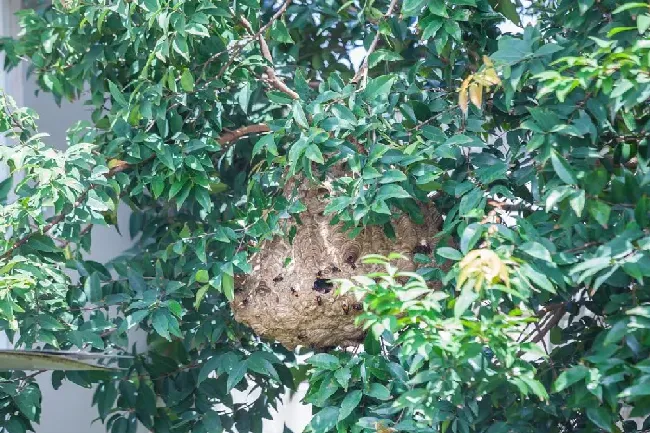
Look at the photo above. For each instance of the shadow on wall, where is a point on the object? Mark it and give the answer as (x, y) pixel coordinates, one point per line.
(69, 409)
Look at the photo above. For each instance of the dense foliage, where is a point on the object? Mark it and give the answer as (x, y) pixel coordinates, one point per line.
(534, 146)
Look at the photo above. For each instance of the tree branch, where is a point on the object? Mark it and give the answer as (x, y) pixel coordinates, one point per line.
(509, 207)
(552, 322)
(240, 46)
(373, 46)
(238, 133)
(272, 77)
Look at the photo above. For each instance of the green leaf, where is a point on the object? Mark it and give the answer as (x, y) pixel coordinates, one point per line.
(117, 94)
(391, 191)
(507, 8)
(208, 367)
(313, 153)
(187, 81)
(299, 115)
(378, 391)
(337, 204)
(280, 33)
(642, 24)
(585, 5)
(5, 188)
(180, 46)
(324, 361)
(228, 286)
(392, 175)
(537, 250)
(136, 281)
(160, 323)
(577, 202)
(569, 377)
(382, 55)
(259, 364)
(512, 50)
(412, 7)
(42, 243)
(200, 294)
(211, 422)
(14, 425)
(449, 253)
(378, 88)
(349, 403)
(371, 344)
(563, 169)
(628, 6)
(465, 300)
(439, 8)
(601, 417)
(638, 390)
(236, 375)
(93, 288)
(325, 420)
(28, 402)
(599, 211)
(202, 276)
(431, 29)
(453, 29)
(343, 377)
(266, 142)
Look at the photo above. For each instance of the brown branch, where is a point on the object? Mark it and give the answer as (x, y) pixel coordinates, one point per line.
(240, 46)
(85, 230)
(238, 133)
(509, 207)
(272, 77)
(553, 321)
(583, 247)
(373, 46)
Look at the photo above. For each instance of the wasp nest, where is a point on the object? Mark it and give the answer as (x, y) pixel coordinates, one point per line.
(288, 296)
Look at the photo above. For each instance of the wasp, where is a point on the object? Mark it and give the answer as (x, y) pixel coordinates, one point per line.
(423, 248)
(322, 285)
(278, 279)
(294, 292)
(350, 261)
(319, 300)
(346, 308)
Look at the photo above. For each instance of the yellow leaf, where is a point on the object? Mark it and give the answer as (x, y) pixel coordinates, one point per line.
(482, 265)
(463, 101)
(115, 163)
(490, 74)
(487, 61)
(381, 428)
(476, 94)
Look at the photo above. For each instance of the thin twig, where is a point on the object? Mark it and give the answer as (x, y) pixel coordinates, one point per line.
(272, 77)
(553, 321)
(509, 207)
(373, 46)
(242, 44)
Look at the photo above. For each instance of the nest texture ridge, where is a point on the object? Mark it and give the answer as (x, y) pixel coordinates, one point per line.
(288, 296)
